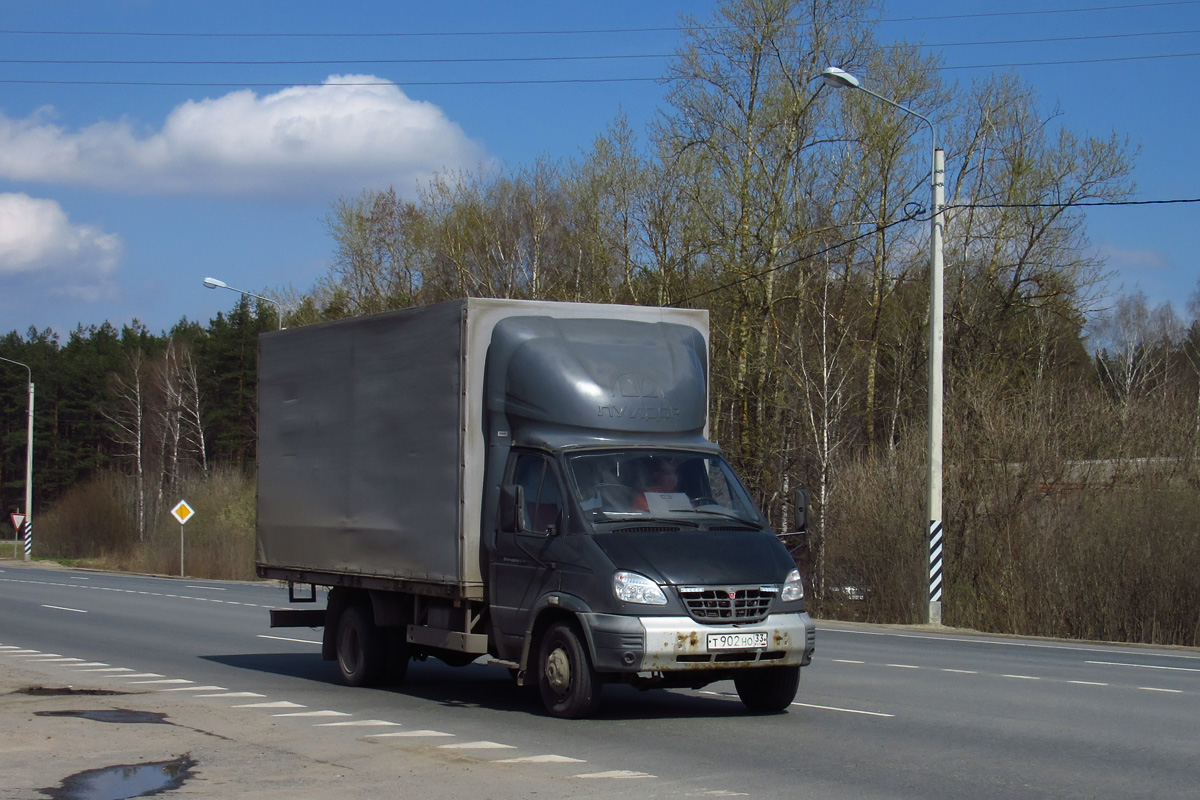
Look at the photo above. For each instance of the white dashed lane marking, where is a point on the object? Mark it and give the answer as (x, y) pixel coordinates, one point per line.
(140, 592)
(1141, 666)
(1036, 677)
(844, 710)
(287, 639)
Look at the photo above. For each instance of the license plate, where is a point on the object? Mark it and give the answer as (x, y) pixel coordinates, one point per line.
(742, 640)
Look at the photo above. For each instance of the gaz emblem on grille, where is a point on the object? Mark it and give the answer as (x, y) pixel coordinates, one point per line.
(732, 595)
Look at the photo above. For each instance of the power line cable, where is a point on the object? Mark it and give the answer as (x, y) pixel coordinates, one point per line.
(1067, 62)
(529, 59)
(1073, 205)
(823, 251)
(303, 84)
(564, 32)
(1056, 39)
(324, 61)
(915, 217)
(1041, 12)
(530, 81)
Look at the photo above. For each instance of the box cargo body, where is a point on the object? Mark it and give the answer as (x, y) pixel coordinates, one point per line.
(371, 442)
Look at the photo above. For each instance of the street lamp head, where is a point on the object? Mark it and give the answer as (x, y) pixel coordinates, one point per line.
(839, 78)
(213, 283)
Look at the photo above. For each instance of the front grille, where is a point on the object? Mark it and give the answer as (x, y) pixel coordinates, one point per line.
(727, 604)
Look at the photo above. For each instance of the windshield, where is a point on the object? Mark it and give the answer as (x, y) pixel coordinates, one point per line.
(679, 484)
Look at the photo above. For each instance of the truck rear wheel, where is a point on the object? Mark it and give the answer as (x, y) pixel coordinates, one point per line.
(768, 690)
(568, 683)
(361, 651)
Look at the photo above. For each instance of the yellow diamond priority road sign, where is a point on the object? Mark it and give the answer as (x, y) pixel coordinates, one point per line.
(182, 512)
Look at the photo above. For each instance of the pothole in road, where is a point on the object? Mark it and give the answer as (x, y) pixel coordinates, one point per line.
(110, 715)
(124, 781)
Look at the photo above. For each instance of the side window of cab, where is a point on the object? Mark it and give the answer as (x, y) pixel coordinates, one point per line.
(543, 499)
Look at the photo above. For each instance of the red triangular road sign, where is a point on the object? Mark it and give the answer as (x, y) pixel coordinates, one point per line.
(18, 520)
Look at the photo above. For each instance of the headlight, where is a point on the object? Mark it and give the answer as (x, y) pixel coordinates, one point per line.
(793, 587)
(633, 588)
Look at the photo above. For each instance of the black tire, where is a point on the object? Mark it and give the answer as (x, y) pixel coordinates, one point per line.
(768, 690)
(566, 679)
(361, 650)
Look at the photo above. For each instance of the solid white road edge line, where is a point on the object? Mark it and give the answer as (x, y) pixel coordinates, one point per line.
(844, 710)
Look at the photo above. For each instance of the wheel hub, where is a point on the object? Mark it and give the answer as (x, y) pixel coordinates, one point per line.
(558, 671)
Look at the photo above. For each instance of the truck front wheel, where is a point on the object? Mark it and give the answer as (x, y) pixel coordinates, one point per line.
(568, 683)
(361, 651)
(768, 690)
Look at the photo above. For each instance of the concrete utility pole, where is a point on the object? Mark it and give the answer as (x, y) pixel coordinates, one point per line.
(833, 76)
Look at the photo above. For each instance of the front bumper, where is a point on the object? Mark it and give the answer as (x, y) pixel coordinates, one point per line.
(676, 644)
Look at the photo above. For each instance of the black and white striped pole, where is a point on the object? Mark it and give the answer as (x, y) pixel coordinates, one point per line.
(28, 525)
(833, 76)
(27, 536)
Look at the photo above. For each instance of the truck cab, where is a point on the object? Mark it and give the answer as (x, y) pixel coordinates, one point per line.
(624, 548)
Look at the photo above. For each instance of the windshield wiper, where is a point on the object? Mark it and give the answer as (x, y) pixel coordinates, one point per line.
(725, 514)
(637, 517)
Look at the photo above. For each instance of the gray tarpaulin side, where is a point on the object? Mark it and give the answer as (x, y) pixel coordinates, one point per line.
(359, 445)
(372, 447)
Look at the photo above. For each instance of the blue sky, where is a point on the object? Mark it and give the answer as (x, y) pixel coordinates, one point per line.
(122, 186)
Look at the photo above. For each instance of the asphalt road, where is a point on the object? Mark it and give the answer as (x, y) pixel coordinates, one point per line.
(883, 712)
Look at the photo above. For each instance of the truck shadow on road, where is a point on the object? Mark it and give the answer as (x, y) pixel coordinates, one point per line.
(490, 687)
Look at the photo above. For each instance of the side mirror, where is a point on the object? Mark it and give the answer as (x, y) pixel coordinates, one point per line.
(512, 504)
(801, 509)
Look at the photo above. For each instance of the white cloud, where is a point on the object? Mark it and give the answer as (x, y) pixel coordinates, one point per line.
(315, 141)
(1133, 259)
(39, 241)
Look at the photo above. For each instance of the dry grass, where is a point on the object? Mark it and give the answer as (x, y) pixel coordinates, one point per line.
(92, 525)
(1103, 544)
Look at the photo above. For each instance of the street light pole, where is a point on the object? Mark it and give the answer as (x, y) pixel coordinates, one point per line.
(213, 283)
(839, 78)
(28, 524)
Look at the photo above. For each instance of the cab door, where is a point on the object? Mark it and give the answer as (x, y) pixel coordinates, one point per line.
(522, 566)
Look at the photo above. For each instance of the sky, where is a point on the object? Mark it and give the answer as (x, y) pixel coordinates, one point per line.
(127, 176)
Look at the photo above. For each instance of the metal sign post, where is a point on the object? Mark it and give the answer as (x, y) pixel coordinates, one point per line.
(18, 521)
(182, 512)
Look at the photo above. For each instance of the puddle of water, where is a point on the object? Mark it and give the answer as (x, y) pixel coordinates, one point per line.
(110, 715)
(125, 781)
